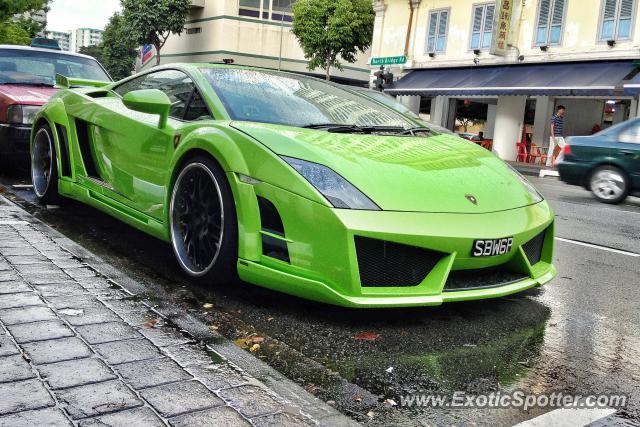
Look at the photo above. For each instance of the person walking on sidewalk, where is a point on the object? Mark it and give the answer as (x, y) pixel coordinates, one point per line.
(557, 135)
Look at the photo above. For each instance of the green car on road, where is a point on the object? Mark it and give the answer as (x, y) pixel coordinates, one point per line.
(294, 184)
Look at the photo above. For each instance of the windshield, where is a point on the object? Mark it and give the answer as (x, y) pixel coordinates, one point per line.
(40, 68)
(389, 101)
(262, 96)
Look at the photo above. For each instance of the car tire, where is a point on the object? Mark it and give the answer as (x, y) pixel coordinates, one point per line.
(609, 184)
(203, 223)
(44, 166)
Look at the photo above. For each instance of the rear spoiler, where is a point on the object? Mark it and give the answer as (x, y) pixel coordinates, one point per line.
(64, 82)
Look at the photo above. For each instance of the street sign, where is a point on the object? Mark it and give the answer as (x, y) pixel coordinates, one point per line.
(388, 60)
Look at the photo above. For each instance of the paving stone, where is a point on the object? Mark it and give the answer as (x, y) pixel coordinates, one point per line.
(56, 350)
(117, 352)
(60, 288)
(107, 332)
(80, 272)
(14, 368)
(97, 399)
(133, 417)
(27, 260)
(74, 373)
(8, 276)
(63, 260)
(36, 313)
(39, 331)
(4, 265)
(87, 316)
(14, 287)
(251, 401)
(133, 312)
(49, 417)
(165, 336)
(149, 373)
(46, 278)
(94, 283)
(12, 242)
(74, 301)
(179, 398)
(282, 419)
(214, 417)
(19, 300)
(24, 395)
(39, 269)
(217, 375)
(7, 347)
(19, 251)
(189, 355)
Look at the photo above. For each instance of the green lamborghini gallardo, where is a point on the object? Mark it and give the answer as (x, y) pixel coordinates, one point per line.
(294, 184)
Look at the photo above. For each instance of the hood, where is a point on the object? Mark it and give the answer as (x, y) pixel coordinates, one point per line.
(442, 173)
(31, 95)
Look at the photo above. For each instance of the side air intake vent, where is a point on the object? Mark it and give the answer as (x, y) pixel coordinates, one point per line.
(64, 150)
(271, 222)
(383, 263)
(533, 248)
(84, 139)
(464, 280)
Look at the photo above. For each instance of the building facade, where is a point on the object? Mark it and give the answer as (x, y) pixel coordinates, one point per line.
(519, 58)
(63, 39)
(252, 32)
(85, 37)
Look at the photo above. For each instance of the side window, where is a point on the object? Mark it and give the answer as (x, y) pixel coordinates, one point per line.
(437, 33)
(617, 19)
(176, 84)
(550, 22)
(197, 108)
(630, 134)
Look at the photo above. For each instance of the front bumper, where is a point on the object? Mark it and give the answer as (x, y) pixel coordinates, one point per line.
(574, 173)
(14, 141)
(323, 258)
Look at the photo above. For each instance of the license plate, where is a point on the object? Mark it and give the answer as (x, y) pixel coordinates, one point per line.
(492, 247)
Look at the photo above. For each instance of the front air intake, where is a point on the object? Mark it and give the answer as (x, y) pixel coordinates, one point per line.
(533, 248)
(464, 280)
(389, 264)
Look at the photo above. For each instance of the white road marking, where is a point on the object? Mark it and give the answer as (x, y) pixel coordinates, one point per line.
(603, 248)
(13, 222)
(566, 417)
(548, 172)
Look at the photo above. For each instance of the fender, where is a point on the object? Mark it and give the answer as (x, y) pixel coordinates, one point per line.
(52, 112)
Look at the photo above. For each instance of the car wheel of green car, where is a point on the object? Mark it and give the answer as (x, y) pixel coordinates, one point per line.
(609, 184)
(44, 167)
(204, 228)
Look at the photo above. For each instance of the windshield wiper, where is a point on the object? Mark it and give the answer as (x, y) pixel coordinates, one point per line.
(417, 129)
(342, 128)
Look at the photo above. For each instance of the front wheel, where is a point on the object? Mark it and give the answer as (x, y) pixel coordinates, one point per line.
(44, 167)
(609, 184)
(204, 229)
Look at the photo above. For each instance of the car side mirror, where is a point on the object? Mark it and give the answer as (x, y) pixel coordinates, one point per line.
(150, 101)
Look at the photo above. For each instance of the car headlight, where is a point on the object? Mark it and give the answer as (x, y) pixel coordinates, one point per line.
(537, 197)
(22, 114)
(340, 192)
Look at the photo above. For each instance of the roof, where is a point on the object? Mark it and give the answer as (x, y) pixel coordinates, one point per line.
(38, 49)
(593, 78)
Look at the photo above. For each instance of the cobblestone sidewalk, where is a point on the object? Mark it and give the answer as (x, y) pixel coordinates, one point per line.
(78, 349)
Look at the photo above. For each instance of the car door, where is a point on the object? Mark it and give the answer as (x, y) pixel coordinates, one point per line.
(131, 154)
(627, 152)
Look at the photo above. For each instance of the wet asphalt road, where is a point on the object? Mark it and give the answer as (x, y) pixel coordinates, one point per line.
(579, 334)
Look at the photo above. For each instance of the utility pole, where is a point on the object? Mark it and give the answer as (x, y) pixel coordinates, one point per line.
(281, 34)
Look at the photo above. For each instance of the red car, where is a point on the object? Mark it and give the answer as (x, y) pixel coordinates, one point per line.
(27, 79)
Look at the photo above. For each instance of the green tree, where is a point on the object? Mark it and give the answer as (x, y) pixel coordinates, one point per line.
(95, 51)
(118, 48)
(152, 21)
(22, 30)
(332, 29)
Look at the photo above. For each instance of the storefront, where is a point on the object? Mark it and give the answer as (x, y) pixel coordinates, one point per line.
(514, 103)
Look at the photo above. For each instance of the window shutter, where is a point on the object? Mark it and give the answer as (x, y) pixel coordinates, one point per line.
(477, 18)
(433, 22)
(442, 27)
(543, 17)
(626, 8)
(488, 20)
(610, 9)
(558, 12)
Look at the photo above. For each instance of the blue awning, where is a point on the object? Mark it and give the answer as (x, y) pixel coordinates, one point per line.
(601, 78)
(632, 87)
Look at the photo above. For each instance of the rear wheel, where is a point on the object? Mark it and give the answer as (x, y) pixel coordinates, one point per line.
(204, 229)
(44, 167)
(609, 184)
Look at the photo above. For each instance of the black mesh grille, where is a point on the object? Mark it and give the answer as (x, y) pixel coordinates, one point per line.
(383, 263)
(463, 280)
(533, 248)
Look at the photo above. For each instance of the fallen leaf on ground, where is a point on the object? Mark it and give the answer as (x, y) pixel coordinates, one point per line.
(370, 414)
(254, 348)
(213, 327)
(366, 336)
(71, 312)
(390, 402)
(241, 342)
(207, 305)
(389, 369)
(150, 323)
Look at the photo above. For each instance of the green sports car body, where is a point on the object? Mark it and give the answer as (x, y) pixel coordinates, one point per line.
(296, 185)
